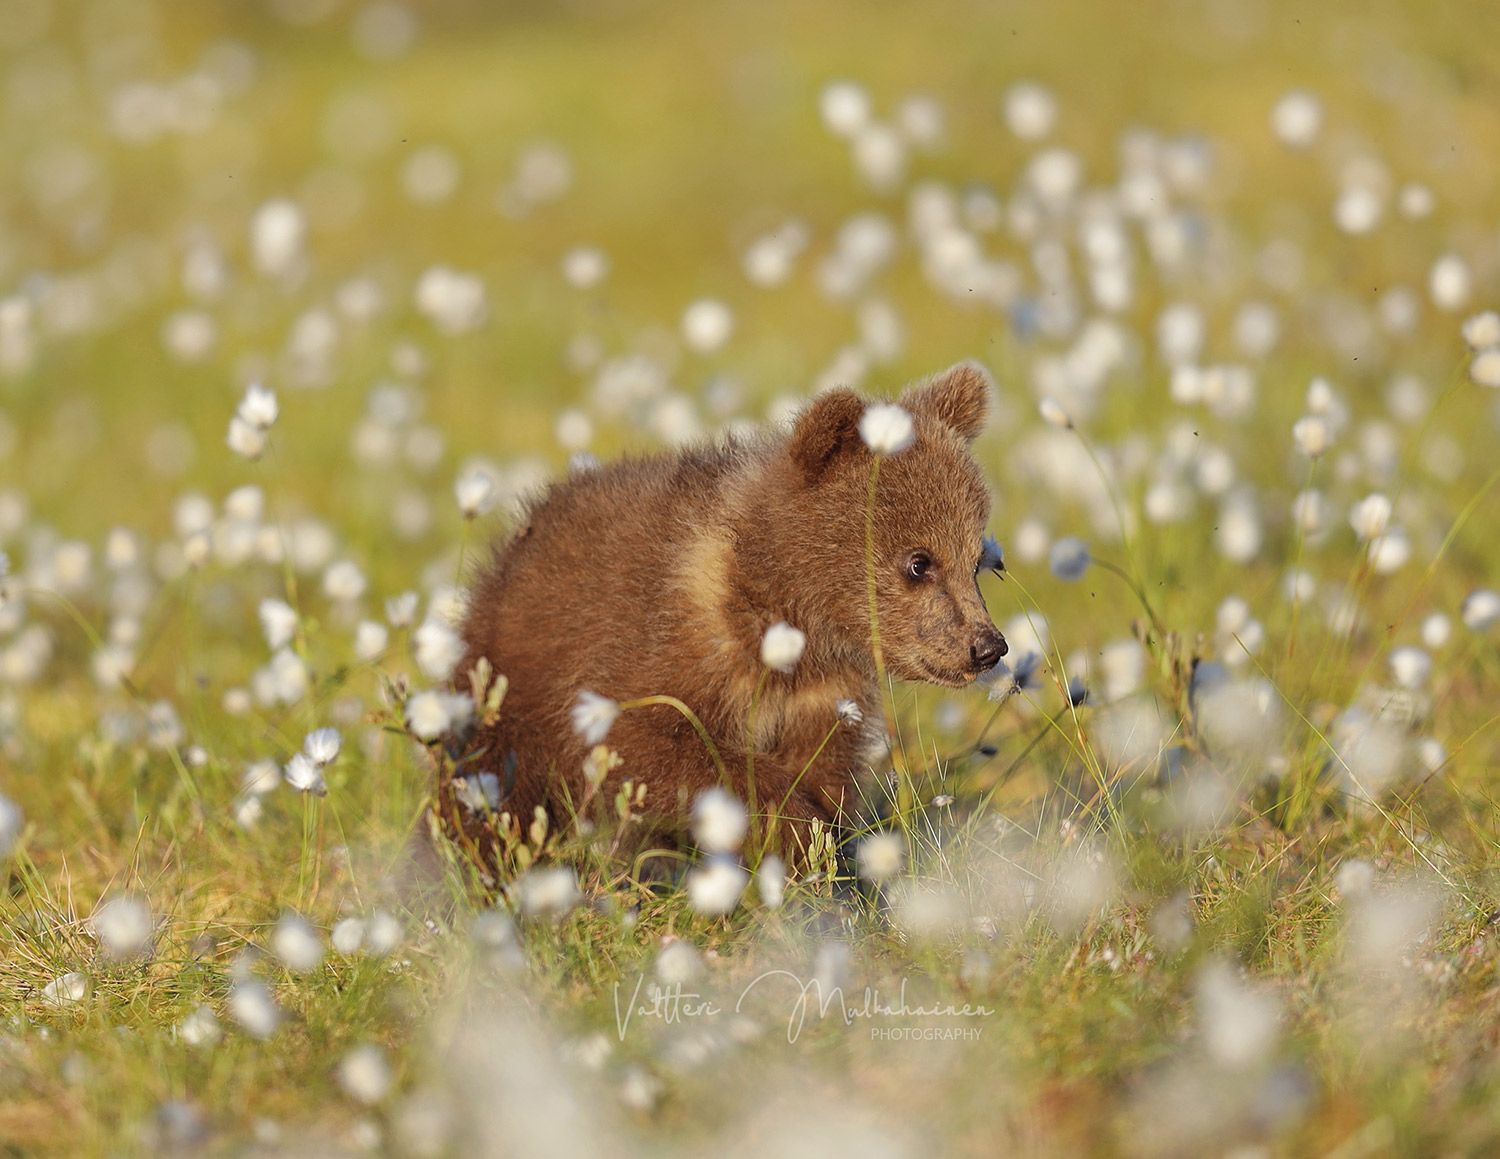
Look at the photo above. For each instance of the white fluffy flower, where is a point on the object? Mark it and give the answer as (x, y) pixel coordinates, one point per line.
(12, 821)
(370, 639)
(433, 714)
(475, 492)
(1484, 368)
(259, 407)
(715, 887)
(1030, 111)
(1410, 667)
(782, 646)
(886, 428)
(879, 856)
(438, 648)
(594, 716)
(845, 107)
(552, 891)
(303, 774)
(297, 944)
(1370, 516)
(707, 325)
(124, 926)
(252, 1005)
(245, 440)
(1481, 609)
(278, 620)
(322, 746)
(1054, 415)
(1312, 435)
(770, 881)
(1482, 330)
(1296, 119)
(200, 1028)
(719, 821)
(1069, 558)
(66, 989)
(365, 1075)
(343, 581)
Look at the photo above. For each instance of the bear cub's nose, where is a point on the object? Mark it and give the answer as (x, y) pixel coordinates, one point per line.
(986, 651)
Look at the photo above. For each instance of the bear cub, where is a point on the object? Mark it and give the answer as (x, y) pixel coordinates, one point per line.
(659, 576)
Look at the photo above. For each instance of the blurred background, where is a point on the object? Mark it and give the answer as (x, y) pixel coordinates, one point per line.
(196, 195)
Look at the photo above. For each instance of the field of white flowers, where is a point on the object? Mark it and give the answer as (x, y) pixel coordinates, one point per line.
(299, 298)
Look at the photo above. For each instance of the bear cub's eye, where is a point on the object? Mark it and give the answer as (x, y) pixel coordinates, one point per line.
(918, 565)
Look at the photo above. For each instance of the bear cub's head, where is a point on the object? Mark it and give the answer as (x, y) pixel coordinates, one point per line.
(931, 508)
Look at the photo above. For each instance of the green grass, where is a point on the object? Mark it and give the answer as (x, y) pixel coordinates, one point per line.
(691, 130)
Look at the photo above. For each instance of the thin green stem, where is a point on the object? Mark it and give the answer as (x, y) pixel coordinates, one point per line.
(751, 800)
(692, 718)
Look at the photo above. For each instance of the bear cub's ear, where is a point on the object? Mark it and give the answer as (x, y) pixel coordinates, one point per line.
(959, 398)
(828, 428)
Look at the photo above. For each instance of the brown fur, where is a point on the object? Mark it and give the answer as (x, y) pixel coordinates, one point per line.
(661, 574)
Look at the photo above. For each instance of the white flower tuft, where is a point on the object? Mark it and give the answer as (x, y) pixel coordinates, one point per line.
(886, 429)
(714, 888)
(1069, 558)
(475, 492)
(594, 716)
(879, 856)
(322, 746)
(297, 944)
(365, 1075)
(124, 926)
(719, 821)
(782, 646)
(278, 620)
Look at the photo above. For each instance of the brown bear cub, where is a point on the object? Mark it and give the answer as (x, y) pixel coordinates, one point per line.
(660, 575)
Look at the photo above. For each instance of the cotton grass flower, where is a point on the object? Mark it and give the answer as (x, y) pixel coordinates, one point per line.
(593, 716)
(253, 1007)
(245, 440)
(1312, 435)
(886, 429)
(432, 714)
(707, 325)
(200, 1028)
(1296, 119)
(1240, 1022)
(438, 648)
(845, 108)
(370, 640)
(1371, 516)
(124, 927)
(782, 646)
(1030, 110)
(67, 989)
(475, 492)
(297, 944)
(714, 887)
(259, 407)
(549, 892)
(1481, 609)
(304, 775)
(879, 856)
(12, 821)
(1484, 368)
(322, 746)
(1069, 559)
(770, 881)
(720, 821)
(278, 621)
(364, 1074)
(1054, 415)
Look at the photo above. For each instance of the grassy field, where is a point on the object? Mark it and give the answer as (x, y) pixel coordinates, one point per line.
(1207, 870)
